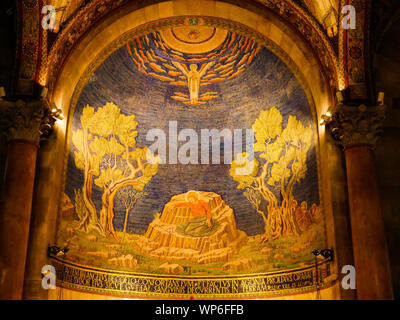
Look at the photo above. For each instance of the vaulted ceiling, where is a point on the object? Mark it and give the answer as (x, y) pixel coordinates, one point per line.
(325, 12)
(316, 21)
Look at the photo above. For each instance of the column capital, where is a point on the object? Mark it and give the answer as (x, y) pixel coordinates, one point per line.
(30, 121)
(352, 126)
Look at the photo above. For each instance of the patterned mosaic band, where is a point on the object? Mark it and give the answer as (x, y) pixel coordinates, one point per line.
(168, 286)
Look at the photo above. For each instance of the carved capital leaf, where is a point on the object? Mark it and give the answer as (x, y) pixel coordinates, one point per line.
(361, 125)
(30, 121)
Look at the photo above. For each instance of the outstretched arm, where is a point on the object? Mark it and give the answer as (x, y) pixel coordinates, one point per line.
(180, 204)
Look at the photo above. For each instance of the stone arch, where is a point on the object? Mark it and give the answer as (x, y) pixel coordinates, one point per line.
(288, 42)
(295, 16)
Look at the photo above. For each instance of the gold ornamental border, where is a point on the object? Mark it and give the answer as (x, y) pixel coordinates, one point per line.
(246, 286)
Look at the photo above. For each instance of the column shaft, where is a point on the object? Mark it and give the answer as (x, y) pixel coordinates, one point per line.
(367, 226)
(15, 216)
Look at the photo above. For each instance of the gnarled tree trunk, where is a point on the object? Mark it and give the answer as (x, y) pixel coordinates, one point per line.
(90, 221)
(107, 210)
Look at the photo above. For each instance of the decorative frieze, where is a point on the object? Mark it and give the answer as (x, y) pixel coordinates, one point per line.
(302, 280)
(30, 121)
(361, 125)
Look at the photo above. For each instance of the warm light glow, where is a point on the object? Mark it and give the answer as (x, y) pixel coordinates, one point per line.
(381, 98)
(61, 123)
(339, 96)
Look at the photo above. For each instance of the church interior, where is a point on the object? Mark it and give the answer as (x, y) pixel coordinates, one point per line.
(199, 149)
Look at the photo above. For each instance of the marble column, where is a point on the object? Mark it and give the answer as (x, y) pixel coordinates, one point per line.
(25, 124)
(357, 130)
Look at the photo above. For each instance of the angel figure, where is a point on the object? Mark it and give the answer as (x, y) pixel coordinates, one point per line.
(154, 59)
(193, 77)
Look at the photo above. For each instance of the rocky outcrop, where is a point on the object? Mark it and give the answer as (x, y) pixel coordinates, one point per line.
(162, 241)
(238, 265)
(170, 268)
(126, 261)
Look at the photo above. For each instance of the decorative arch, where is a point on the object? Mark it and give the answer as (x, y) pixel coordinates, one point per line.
(282, 40)
(63, 77)
(293, 14)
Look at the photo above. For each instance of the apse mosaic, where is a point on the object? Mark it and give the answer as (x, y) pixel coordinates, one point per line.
(197, 228)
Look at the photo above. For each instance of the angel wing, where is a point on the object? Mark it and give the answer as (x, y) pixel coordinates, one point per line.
(154, 59)
(205, 67)
(181, 66)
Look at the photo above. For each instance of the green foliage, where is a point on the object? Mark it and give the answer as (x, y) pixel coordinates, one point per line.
(279, 171)
(105, 145)
(138, 154)
(242, 165)
(108, 121)
(108, 175)
(284, 150)
(148, 172)
(79, 160)
(267, 127)
(87, 116)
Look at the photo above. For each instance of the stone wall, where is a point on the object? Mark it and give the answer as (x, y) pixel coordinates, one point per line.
(386, 72)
